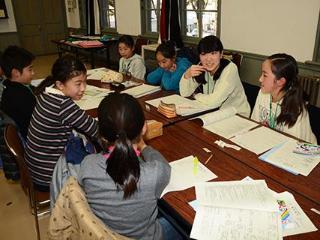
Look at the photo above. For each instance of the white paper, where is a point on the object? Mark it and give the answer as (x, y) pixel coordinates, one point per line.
(142, 90)
(36, 82)
(183, 176)
(284, 157)
(96, 74)
(236, 210)
(293, 219)
(260, 139)
(217, 115)
(184, 106)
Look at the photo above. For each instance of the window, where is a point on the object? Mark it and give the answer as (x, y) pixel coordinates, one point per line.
(107, 14)
(199, 18)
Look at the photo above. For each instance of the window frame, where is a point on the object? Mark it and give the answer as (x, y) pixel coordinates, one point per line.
(183, 23)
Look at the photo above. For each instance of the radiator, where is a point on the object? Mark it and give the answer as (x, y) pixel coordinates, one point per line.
(310, 85)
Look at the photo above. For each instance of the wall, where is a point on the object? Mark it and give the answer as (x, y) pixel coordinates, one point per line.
(267, 27)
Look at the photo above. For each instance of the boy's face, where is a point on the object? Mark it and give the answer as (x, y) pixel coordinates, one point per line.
(23, 77)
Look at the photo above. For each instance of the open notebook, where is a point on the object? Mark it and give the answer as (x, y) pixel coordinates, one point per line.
(226, 123)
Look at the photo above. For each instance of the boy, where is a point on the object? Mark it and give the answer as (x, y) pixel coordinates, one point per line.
(17, 99)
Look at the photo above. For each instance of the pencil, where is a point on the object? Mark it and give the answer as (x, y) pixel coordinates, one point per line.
(209, 158)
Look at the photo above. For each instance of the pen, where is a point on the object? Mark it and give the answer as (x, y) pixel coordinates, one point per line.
(195, 165)
(209, 158)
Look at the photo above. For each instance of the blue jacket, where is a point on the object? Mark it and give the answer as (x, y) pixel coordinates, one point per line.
(169, 80)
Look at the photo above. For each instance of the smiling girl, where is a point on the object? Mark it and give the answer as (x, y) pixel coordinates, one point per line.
(280, 103)
(54, 118)
(214, 81)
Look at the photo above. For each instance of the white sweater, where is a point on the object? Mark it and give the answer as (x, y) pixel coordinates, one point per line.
(134, 65)
(225, 92)
(301, 129)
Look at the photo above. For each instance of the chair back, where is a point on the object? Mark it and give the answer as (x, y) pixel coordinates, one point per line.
(314, 115)
(15, 146)
(138, 45)
(251, 92)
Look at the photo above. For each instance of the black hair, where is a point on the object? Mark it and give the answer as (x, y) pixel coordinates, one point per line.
(15, 57)
(63, 69)
(285, 66)
(167, 49)
(127, 40)
(210, 44)
(121, 120)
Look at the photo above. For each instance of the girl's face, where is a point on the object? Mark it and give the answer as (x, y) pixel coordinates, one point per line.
(125, 51)
(211, 61)
(74, 87)
(165, 63)
(267, 79)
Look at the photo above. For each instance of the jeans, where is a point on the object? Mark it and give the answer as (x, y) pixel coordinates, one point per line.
(169, 232)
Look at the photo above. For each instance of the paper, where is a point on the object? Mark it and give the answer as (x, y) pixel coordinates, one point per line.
(293, 219)
(236, 210)
(225, 123)
(183, 177)
(36, 82)
(96, 74)
(184, 106)
(142, 90)
(260, 139)
(92, 97)
(284, 157)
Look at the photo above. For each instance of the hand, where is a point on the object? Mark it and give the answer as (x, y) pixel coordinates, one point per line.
(173, 68)
(193, 71)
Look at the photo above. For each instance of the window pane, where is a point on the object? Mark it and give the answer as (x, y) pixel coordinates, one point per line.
(154, 4)
(192, 24)
(211, 5)
(209, 23)
(152, 24)
(111, 19)
(191, 5)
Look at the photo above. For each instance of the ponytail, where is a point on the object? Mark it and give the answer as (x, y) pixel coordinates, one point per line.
(42, 86)
(292, 105)
(123, 165)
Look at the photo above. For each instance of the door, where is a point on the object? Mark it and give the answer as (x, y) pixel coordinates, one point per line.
(38, 22)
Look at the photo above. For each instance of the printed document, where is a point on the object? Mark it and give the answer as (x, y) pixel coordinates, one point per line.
(226, 123)
(142, 90)
(236, 210)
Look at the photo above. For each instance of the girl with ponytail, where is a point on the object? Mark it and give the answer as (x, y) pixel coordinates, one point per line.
(124, 182)
(280, 104)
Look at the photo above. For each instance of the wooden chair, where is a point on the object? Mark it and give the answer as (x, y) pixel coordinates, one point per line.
(138, 45)
(37, 200)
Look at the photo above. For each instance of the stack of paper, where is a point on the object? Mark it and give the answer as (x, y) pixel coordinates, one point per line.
(225, 123)
(184, 106)
(236, 210)
(185, 174)
(284, 157)
(260, 139)
(142, 90)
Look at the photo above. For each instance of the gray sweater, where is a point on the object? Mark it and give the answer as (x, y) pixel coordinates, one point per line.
(135, 217)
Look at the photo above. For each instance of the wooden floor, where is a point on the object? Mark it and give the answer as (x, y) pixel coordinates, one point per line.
(16, 220)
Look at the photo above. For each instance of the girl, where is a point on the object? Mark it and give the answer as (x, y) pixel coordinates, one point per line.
(54, 117)
(280, 103)
(123, 184)
(171, 68)
(130, 63)
(215, 81)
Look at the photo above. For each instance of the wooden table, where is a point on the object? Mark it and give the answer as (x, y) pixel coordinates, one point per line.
(308, 186)
(177, 143)
(64, 46)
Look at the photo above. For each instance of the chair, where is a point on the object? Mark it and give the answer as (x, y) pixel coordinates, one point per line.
(72, 217)
(251, 92)
(37, 200)
(314, 116)
(235, 57)
(138, 45)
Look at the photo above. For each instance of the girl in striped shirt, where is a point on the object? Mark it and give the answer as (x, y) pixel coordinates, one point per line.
(54, 118)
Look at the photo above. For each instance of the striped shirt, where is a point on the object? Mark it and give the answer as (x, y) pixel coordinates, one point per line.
(52, 121)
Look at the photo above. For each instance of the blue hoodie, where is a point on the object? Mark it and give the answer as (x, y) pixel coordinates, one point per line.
(169, 80)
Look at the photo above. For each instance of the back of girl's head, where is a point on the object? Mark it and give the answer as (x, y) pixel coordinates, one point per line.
(127, 40)
(121, 121)
(167, 49)
(210, 44)
(15, 57)
(284, 65)
(63, 69)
